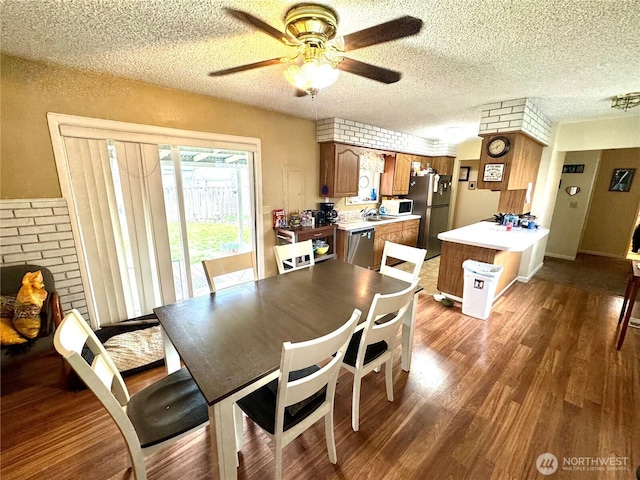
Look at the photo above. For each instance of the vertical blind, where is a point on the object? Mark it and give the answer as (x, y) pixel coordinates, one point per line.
(125, 252)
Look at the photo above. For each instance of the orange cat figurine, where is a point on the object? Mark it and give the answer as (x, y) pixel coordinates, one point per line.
(29, 302)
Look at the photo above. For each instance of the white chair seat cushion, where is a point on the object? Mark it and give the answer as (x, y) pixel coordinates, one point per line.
(260, 405)
(167, 408)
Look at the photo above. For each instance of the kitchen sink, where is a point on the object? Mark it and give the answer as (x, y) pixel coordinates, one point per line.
(374, 219)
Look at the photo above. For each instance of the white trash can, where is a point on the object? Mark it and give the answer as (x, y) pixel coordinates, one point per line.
(480, 282)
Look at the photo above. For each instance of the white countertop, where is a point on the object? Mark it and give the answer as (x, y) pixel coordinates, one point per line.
(494, 236)
(357, 225)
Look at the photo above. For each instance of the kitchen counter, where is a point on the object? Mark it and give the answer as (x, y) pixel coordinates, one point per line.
(485, 242)
(494, 236)
(357, 225)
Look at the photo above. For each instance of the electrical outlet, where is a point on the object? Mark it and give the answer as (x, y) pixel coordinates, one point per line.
(266, 209)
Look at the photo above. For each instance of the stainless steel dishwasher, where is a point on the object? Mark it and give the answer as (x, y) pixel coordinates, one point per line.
(360, 246)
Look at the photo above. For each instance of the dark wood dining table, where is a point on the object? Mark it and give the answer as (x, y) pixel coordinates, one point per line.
(231, 340)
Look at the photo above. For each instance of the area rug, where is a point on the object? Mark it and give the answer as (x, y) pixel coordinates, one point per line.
(589, 272)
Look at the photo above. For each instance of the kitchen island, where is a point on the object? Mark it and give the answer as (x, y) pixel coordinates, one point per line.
(485, 242)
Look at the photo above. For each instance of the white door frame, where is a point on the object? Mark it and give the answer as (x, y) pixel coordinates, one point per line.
(62, 124)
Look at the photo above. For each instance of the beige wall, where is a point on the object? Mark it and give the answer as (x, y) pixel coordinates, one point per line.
(612, 215)
(475, 205)
(570, 212)
(29, 90)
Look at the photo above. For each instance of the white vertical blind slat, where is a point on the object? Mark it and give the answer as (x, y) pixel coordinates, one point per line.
(137, 207)
(160, 230)
(91, 188)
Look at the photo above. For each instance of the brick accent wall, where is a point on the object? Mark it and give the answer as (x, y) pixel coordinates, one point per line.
(38, 231)
(363, 135)
(515, 115)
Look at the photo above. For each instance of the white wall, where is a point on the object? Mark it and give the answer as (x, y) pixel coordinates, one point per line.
(570, 212)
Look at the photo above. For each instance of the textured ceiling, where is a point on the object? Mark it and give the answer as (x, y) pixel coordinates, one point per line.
(568, 56)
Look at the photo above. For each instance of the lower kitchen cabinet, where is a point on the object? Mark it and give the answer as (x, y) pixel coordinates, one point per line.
(388, 231)
(403, 232)
(410, 229)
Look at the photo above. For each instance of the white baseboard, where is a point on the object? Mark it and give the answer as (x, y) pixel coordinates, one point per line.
(558, 255)
(526, 279)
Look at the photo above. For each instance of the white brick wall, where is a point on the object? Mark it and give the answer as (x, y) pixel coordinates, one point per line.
(370, 136)
(38, 231)
(513, 116)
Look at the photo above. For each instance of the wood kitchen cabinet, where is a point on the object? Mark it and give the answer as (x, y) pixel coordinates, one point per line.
(388, 231)
(395, 179)
(339, 170)
(405, 232)
(519, 164)
(410, 229)
(443, 165)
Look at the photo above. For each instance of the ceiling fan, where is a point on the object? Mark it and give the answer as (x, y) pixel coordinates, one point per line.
(311, 29)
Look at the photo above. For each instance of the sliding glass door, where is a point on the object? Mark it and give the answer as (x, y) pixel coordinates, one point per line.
(148, 204)
(208, 195)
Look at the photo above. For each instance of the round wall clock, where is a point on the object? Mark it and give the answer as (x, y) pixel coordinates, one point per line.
(498, 146)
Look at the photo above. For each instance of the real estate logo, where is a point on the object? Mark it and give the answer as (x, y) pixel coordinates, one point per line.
(547, 464)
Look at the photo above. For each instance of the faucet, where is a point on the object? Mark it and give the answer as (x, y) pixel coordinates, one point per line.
(369, 212)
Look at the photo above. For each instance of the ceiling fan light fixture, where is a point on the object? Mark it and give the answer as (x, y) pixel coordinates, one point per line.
(626, 101)
(312, 76)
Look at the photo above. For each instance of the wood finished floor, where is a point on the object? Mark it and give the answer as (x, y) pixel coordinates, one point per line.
(482, 401)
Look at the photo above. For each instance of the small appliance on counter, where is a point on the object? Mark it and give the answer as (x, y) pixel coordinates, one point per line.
(320, 218)
(396, 208)
(330, 215)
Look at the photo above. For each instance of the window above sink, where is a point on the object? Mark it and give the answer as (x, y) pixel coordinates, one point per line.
(371, 166)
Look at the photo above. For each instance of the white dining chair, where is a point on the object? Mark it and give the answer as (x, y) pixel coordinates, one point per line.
(161, 413)
(217, 267)
(412, 255)
(294, 256)
(373, 342)
(303, 393)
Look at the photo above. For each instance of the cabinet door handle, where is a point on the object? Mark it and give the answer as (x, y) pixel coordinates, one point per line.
(317, 234)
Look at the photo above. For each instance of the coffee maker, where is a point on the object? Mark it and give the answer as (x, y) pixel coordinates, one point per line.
(330, 215)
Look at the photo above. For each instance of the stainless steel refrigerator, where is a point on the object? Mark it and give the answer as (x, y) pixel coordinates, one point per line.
(430, 195)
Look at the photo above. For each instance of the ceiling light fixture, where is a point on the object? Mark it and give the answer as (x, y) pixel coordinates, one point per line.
(317, 71)
(313, 26)
(626, 101)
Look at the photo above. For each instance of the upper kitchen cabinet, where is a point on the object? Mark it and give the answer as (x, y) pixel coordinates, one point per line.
(443, 165)
(509, 161)
(395, 179)
(339, 170)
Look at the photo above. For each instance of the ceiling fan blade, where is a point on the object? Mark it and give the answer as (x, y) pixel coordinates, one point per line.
(260, 25)
(242, 68)
(367, 70)
(385, 32)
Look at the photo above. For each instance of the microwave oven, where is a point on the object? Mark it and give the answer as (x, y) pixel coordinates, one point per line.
(403, 206)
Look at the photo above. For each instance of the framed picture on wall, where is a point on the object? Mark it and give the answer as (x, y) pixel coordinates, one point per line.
(621, 179)
(464, 174)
